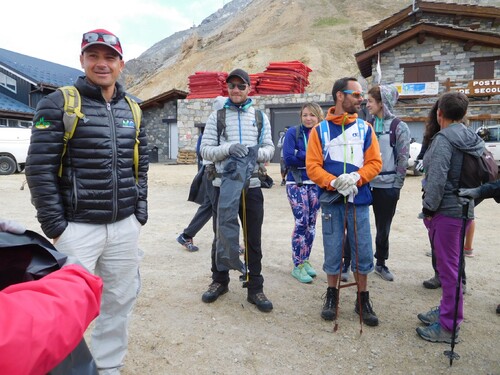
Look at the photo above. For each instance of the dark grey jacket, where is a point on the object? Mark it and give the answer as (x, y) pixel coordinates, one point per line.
(98, 184)
(443, 164)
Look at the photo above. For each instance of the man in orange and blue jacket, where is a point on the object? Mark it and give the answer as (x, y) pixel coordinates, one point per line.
(343, 156)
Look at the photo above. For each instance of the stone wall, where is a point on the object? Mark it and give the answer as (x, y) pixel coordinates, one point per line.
(158, 122)
(196, 111)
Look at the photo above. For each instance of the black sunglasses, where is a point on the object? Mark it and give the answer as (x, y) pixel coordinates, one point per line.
(240, 86)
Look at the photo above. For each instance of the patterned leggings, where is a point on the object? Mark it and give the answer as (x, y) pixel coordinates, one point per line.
(304, 201)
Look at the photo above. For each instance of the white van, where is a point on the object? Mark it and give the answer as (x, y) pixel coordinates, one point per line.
(491, 137)
(14, 144)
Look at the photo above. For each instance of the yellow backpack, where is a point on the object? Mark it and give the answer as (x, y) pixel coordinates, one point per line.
(73, 113)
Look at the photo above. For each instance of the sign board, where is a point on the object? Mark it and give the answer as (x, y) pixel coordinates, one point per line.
(482, 87)
(418, 88)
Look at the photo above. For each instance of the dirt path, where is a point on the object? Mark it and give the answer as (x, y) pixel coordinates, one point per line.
(173, 332)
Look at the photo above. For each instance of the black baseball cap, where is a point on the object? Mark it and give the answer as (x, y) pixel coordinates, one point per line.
(240, 73)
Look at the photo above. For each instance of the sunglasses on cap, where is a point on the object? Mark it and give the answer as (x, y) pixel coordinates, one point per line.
(355, 94)
(240, 86)
(106, 38)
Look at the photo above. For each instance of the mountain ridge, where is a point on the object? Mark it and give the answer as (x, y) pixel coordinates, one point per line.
(250, 34)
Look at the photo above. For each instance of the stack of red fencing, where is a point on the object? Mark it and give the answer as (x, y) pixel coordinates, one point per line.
(286, 77)
(207, 85)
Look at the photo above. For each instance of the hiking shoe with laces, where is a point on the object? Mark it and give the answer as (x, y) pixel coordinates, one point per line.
(384, 273)
(369, 316)
(346, 268)
(432, 283)
(187, 243)
(215, 290)
(430, 317)
(300, 274)
(498, 309)
(330, 304)
(309, 269)
(436, 333)
(260, 300)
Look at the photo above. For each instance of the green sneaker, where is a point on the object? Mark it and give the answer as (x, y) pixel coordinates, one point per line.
(309, 269)
(300, 274)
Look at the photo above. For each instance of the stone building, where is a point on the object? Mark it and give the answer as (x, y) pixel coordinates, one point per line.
(429, 48)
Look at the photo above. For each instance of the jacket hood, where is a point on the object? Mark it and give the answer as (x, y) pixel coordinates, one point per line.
(463, 139)
(389, 95)
(345, 118)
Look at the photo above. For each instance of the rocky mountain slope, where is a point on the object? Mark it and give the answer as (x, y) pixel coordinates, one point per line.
(323, 34)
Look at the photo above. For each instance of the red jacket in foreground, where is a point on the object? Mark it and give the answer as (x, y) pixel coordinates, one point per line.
(42, 321)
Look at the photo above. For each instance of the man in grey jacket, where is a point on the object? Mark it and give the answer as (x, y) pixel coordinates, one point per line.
(239, 134)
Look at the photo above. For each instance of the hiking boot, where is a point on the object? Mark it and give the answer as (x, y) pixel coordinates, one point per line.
(214, 291)
(187, 243)
(369, 316)
(309, 269)
(260, 300)
(498, 309)
(436, 333)
(384, 273)
(330, 304)
(345, 272)
(283, 182)
(300, 274)
(430, 317)
(433, 282)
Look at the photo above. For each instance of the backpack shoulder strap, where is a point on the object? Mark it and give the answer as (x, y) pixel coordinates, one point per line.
(221, 123)
(72, 113)
(137, 115)
(259, 120)
(392, 131)
(297, 134)
(324, 134)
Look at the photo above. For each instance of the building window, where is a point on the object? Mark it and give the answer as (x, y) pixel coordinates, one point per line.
(8, 82)
(484, 67)
(420, 72)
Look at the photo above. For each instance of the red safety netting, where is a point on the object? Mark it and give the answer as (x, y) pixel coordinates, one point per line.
(285, 77)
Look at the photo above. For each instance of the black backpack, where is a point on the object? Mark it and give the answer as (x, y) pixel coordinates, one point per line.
(478, 170)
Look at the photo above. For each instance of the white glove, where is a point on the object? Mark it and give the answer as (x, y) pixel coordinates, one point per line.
(353, 189)
(342, 182)
(355, 177)
(11, 226)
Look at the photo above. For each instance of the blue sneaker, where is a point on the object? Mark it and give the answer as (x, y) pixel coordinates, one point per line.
(436, 333)
(430, 317)
(187, 243)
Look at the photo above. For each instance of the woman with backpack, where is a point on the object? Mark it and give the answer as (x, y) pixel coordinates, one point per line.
(303, 194)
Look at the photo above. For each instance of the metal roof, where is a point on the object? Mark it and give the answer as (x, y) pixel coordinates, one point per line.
(37, 71)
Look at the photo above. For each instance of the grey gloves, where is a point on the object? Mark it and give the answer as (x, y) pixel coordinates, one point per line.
(346, 183)
(465, 195)
(238, 150)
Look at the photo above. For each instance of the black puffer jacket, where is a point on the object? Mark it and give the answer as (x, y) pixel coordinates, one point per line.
(98, 183)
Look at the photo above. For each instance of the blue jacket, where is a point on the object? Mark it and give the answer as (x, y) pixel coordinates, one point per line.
(294, 151)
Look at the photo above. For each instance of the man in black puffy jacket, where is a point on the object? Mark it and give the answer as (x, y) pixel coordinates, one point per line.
(96, 208)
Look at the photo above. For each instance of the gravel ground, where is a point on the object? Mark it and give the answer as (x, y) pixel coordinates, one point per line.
(173, 332)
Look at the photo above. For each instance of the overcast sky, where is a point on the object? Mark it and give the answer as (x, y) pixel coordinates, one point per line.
(52, 30)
